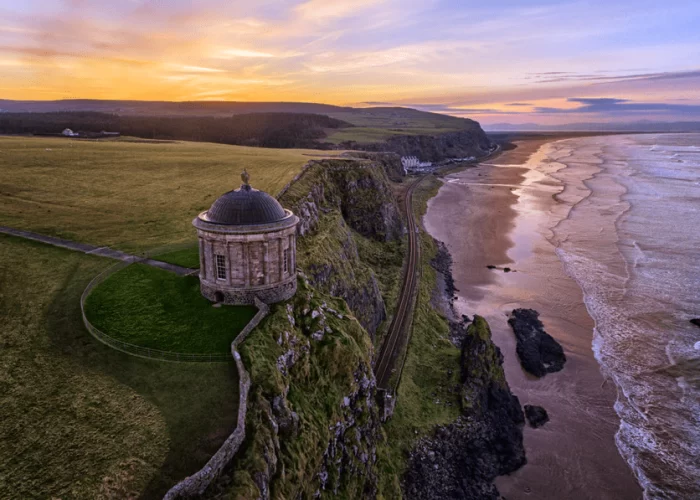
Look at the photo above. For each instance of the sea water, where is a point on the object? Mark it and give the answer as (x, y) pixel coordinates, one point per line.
(630, 237)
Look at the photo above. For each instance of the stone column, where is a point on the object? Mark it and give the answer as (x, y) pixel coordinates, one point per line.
(229, 263)
(266, 262)
(211, 262)
(246, 263)
(293, 243)
(280, 257)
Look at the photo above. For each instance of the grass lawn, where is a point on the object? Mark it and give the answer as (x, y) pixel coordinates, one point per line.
(185, 257)
(149, 307)
(130, 195)
(81, 420)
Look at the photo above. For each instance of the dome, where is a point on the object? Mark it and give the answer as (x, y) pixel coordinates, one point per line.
(245, 206)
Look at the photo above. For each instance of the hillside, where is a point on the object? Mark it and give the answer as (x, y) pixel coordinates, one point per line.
(129, 194)
(344, 127)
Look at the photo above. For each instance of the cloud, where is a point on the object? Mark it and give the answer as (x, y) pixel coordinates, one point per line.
(324, 10)
(598, 77)
(234, 53)
(615, 106)
(197, 69)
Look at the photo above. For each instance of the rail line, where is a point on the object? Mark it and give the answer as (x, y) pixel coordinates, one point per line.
(403, 315)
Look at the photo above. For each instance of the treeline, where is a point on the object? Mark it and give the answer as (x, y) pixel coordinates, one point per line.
(272, 130)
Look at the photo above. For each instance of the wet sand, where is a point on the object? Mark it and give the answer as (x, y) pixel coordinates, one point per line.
(500, 214)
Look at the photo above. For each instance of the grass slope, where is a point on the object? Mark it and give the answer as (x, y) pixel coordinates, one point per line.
(378, 124)
(153, 308)
(130, 194)
(429, 391)
(80, 420)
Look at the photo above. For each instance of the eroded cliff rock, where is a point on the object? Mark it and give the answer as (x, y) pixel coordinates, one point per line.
(344, 201)
(459, 144)
(461, 460)
(313, 423)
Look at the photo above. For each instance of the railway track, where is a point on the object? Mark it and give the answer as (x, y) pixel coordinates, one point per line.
(401, 322)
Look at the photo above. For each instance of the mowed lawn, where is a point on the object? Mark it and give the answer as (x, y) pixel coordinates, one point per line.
(132, 195)
(153, 308)
(80, 420)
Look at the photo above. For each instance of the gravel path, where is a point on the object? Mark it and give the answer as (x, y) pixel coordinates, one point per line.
(93, 250)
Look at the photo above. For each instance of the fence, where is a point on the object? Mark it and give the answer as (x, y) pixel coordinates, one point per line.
(136, 350)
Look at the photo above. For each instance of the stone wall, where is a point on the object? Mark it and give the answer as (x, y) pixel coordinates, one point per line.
(195, 485)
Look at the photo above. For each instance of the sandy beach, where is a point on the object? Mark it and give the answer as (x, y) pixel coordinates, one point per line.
(500, 214)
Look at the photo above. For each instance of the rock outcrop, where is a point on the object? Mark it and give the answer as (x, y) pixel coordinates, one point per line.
(345, 200)
(536, 416)
(695, 321)
(538, 352)
(313, 421)
(461, 459)
(459, 144)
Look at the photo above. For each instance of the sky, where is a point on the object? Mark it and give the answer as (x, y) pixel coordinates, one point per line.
(495, 61)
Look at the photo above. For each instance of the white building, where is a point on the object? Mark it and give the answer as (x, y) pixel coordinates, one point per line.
(413, 163)
(409, 161)
(69, 133)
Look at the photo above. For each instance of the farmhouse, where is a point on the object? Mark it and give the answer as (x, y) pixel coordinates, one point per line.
(247, 248)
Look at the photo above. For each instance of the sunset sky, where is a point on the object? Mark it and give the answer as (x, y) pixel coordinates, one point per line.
(495, 61)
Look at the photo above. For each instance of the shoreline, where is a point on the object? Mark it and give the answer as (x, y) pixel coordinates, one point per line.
(504, 211)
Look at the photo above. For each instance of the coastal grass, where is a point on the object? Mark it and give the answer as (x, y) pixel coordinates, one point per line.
(324, 372)
(133, 195)
(81, 420)
(399, 118)
(428, 393)
(153, 308)
(370, 134)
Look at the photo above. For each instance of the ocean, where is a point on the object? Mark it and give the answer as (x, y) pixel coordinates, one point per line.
(602, 234)
(631, 240)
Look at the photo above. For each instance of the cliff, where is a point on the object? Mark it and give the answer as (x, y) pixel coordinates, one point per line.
(350, 227)
(459, 144)
(460, 460)
(314, 428)
(312, 424)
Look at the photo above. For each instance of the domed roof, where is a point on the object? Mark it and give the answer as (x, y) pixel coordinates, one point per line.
(245, 206)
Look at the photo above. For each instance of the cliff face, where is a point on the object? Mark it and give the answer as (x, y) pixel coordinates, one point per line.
(460, 460)
(346, 207)
(460, 144)
(313, 423)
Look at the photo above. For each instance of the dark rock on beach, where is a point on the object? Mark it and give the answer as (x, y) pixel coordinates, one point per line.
(538, 352)
(536, 416)
(695, 321)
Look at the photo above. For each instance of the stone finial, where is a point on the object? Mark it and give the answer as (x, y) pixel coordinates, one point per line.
(245, 177)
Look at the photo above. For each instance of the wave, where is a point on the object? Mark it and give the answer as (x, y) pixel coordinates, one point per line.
(621, 241)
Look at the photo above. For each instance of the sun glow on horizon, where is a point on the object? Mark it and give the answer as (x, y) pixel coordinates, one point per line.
(489, 62)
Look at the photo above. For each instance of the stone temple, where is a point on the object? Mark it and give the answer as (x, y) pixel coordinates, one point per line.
(247, 248)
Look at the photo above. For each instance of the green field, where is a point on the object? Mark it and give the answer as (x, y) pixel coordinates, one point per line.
(80, 420)
(369, 134)
(153, 308)
(379, 124)
(132, 195)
